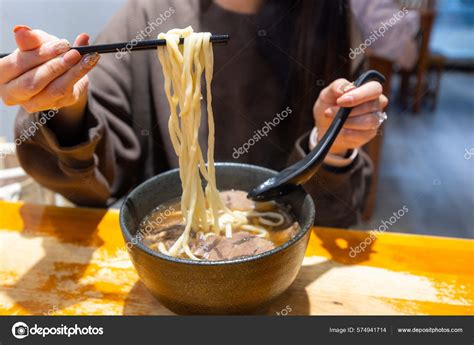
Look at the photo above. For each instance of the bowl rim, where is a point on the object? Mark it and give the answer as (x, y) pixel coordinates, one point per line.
(128, 236)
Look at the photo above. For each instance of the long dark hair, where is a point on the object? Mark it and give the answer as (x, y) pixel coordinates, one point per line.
(307, 43)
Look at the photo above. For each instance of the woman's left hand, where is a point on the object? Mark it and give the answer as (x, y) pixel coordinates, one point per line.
(364, 119)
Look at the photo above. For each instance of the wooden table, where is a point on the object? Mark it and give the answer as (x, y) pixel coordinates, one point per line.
(56, 261)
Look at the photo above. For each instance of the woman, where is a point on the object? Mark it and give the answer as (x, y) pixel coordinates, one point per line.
(111, 130)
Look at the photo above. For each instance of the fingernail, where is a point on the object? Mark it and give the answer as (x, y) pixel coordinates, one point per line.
(328, 112)
(346, 99)
(91, 59)
(71, 57)
(21, 27)
(60, 46)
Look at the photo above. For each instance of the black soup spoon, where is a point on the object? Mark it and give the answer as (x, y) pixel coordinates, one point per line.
(299, 173)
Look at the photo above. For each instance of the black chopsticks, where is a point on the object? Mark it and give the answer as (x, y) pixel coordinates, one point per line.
(133, 46)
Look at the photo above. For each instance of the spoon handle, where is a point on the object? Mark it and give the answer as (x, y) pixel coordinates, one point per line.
(303, 170)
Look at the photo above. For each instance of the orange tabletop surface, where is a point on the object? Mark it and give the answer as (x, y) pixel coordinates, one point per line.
(73, 261)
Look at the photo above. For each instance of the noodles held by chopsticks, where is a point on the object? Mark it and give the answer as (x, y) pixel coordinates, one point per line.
(203, 210)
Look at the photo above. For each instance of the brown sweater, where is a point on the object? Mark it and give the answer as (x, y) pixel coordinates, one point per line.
(126, 140)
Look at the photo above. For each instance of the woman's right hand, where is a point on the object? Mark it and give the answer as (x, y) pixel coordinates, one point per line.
(44, 74)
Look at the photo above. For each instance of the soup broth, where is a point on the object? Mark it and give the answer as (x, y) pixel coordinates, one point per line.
(160, 229)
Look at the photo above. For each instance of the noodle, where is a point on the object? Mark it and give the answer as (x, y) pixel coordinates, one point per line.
(203, 210)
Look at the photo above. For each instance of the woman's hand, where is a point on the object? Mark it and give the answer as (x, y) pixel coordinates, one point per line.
(363, 121)
(44, 74)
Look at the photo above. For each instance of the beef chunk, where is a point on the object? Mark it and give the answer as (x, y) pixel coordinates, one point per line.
(167, 235)
(214, 247)
(237, 200)
(241, 244)
(201, 247)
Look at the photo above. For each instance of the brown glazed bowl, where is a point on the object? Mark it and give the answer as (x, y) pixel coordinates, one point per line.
(238, 286)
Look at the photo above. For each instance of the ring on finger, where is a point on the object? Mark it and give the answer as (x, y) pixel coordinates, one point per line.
(348, 87)
(382, 116)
